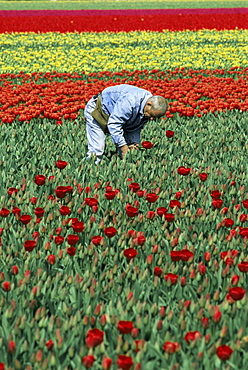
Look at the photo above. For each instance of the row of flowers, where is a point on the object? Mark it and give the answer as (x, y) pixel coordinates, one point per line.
(58, 97)
(123, 23)
(93, 52)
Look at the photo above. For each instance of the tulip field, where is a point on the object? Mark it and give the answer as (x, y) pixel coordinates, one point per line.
(134, 263)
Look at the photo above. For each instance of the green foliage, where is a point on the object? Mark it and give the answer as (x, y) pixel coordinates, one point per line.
(72, 295)
(99, 4)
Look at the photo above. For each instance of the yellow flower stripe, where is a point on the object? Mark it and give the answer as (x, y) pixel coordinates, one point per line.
(92, 52)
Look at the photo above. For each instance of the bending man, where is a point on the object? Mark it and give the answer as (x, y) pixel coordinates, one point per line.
(121, 111)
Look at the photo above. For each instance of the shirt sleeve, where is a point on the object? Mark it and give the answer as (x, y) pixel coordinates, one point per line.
(122, 113)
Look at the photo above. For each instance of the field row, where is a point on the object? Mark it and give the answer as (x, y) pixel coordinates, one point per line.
(116, 22)
(93, 52)
(59, 97)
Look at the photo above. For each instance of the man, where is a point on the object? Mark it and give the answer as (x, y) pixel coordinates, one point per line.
(121, 111)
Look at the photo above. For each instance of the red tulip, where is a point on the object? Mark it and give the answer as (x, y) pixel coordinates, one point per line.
(25, 219)
(228, 222)
(40, 180)
(243, 266)
(169, 133)
(49, 345)
(183, 170)
(64, 210)
(125, 327)
(91, 202)
(192, 336)
(245, 203)
(4, 212)
(29, 245)
(97, 240)
(12, 191)
(215, 194)
(134, 186)
(224, 352)
(61, 164)
(141, 240)
(16, 211)
(174, 203)
(39, 212)
(110, 231)
(124, 362)
(61, 191)
(178, 195)
(94, 337)
(33, 200)
(109, 195)
(217, 203)
(237, 293)
(161, 211)
(6, 286)
(59, 240)
(203, 176)
(131, 211)
(243, 232)
(72, 239)
(157, 271)
(14, 270)
(147, 144)
(78, 226)
(88, 361)
(51, 259)
(151, 197)
(171, 278)
(140, 193)
(71, 251)
(171, 347)
(130, 253)
(169, 217)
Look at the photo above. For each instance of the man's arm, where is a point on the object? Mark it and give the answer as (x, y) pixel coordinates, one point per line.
(122, 113)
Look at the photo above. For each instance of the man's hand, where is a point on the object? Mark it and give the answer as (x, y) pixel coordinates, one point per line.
(124, 149)
(134, 146)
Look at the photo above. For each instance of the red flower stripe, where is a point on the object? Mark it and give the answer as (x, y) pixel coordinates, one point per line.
(116, 21)
(208, 93)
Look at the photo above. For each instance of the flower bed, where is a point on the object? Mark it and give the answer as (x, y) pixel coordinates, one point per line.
(60, 96)
(132, 264)
(122, 20)
(97, 52)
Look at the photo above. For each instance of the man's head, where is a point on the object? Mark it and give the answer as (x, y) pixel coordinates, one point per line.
(155, 107)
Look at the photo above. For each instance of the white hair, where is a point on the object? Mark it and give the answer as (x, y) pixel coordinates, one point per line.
(158, 103)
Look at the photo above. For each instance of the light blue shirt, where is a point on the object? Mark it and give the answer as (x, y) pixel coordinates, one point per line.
(124, 104)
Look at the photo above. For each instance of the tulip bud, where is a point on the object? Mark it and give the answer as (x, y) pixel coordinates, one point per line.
(207, 338)
(223, 331)
(183, 281)
(217, 315)
(149, 259)
(159, 325)
(11, 347)
(103, 320)
(192, 274)
(39, 355)
(135, 332)
(106, 363)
